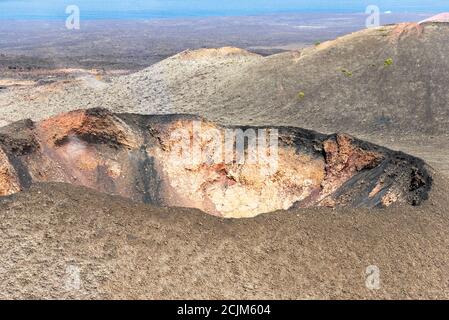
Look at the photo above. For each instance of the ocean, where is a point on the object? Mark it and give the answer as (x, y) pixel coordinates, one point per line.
(150, 9)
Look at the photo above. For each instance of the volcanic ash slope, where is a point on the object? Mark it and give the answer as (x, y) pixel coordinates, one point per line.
(390, 80)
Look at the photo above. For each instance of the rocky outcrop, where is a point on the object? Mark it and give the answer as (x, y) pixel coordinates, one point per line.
(9, 183)
(182, 160)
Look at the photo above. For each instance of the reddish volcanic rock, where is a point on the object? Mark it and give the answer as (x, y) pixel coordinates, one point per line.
(441, 17)
(181, 160)
(9, 183)
(343, 159)
(406, 29)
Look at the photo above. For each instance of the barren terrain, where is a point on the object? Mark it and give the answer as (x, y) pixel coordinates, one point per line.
(385, 85)
(127, 250)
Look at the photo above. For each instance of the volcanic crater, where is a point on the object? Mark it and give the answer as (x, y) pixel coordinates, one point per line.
(139, 157)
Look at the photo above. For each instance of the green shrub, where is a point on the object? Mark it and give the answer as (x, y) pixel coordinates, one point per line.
(346, 72)
(388, 62)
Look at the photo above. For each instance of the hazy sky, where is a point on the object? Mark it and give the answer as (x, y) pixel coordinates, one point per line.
(55, 9)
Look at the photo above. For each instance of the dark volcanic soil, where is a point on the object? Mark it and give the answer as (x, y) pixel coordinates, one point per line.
(126, 250)
(61, 241)
(135, 44)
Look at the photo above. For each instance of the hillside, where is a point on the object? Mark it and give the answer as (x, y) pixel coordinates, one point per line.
(121, 249)
(389, 80)
(71, 221)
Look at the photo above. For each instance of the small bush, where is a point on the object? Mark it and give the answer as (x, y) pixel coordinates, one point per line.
(301, 95)
(346, 72)
(383, 32)
(388, 62)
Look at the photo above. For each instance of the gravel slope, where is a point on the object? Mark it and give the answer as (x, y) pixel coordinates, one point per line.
(125, 250)
(388, 80)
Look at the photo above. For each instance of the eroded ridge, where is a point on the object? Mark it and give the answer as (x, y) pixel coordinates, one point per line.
(187, 161)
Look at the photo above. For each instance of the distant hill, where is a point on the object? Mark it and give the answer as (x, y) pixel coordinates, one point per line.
(388, 79)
